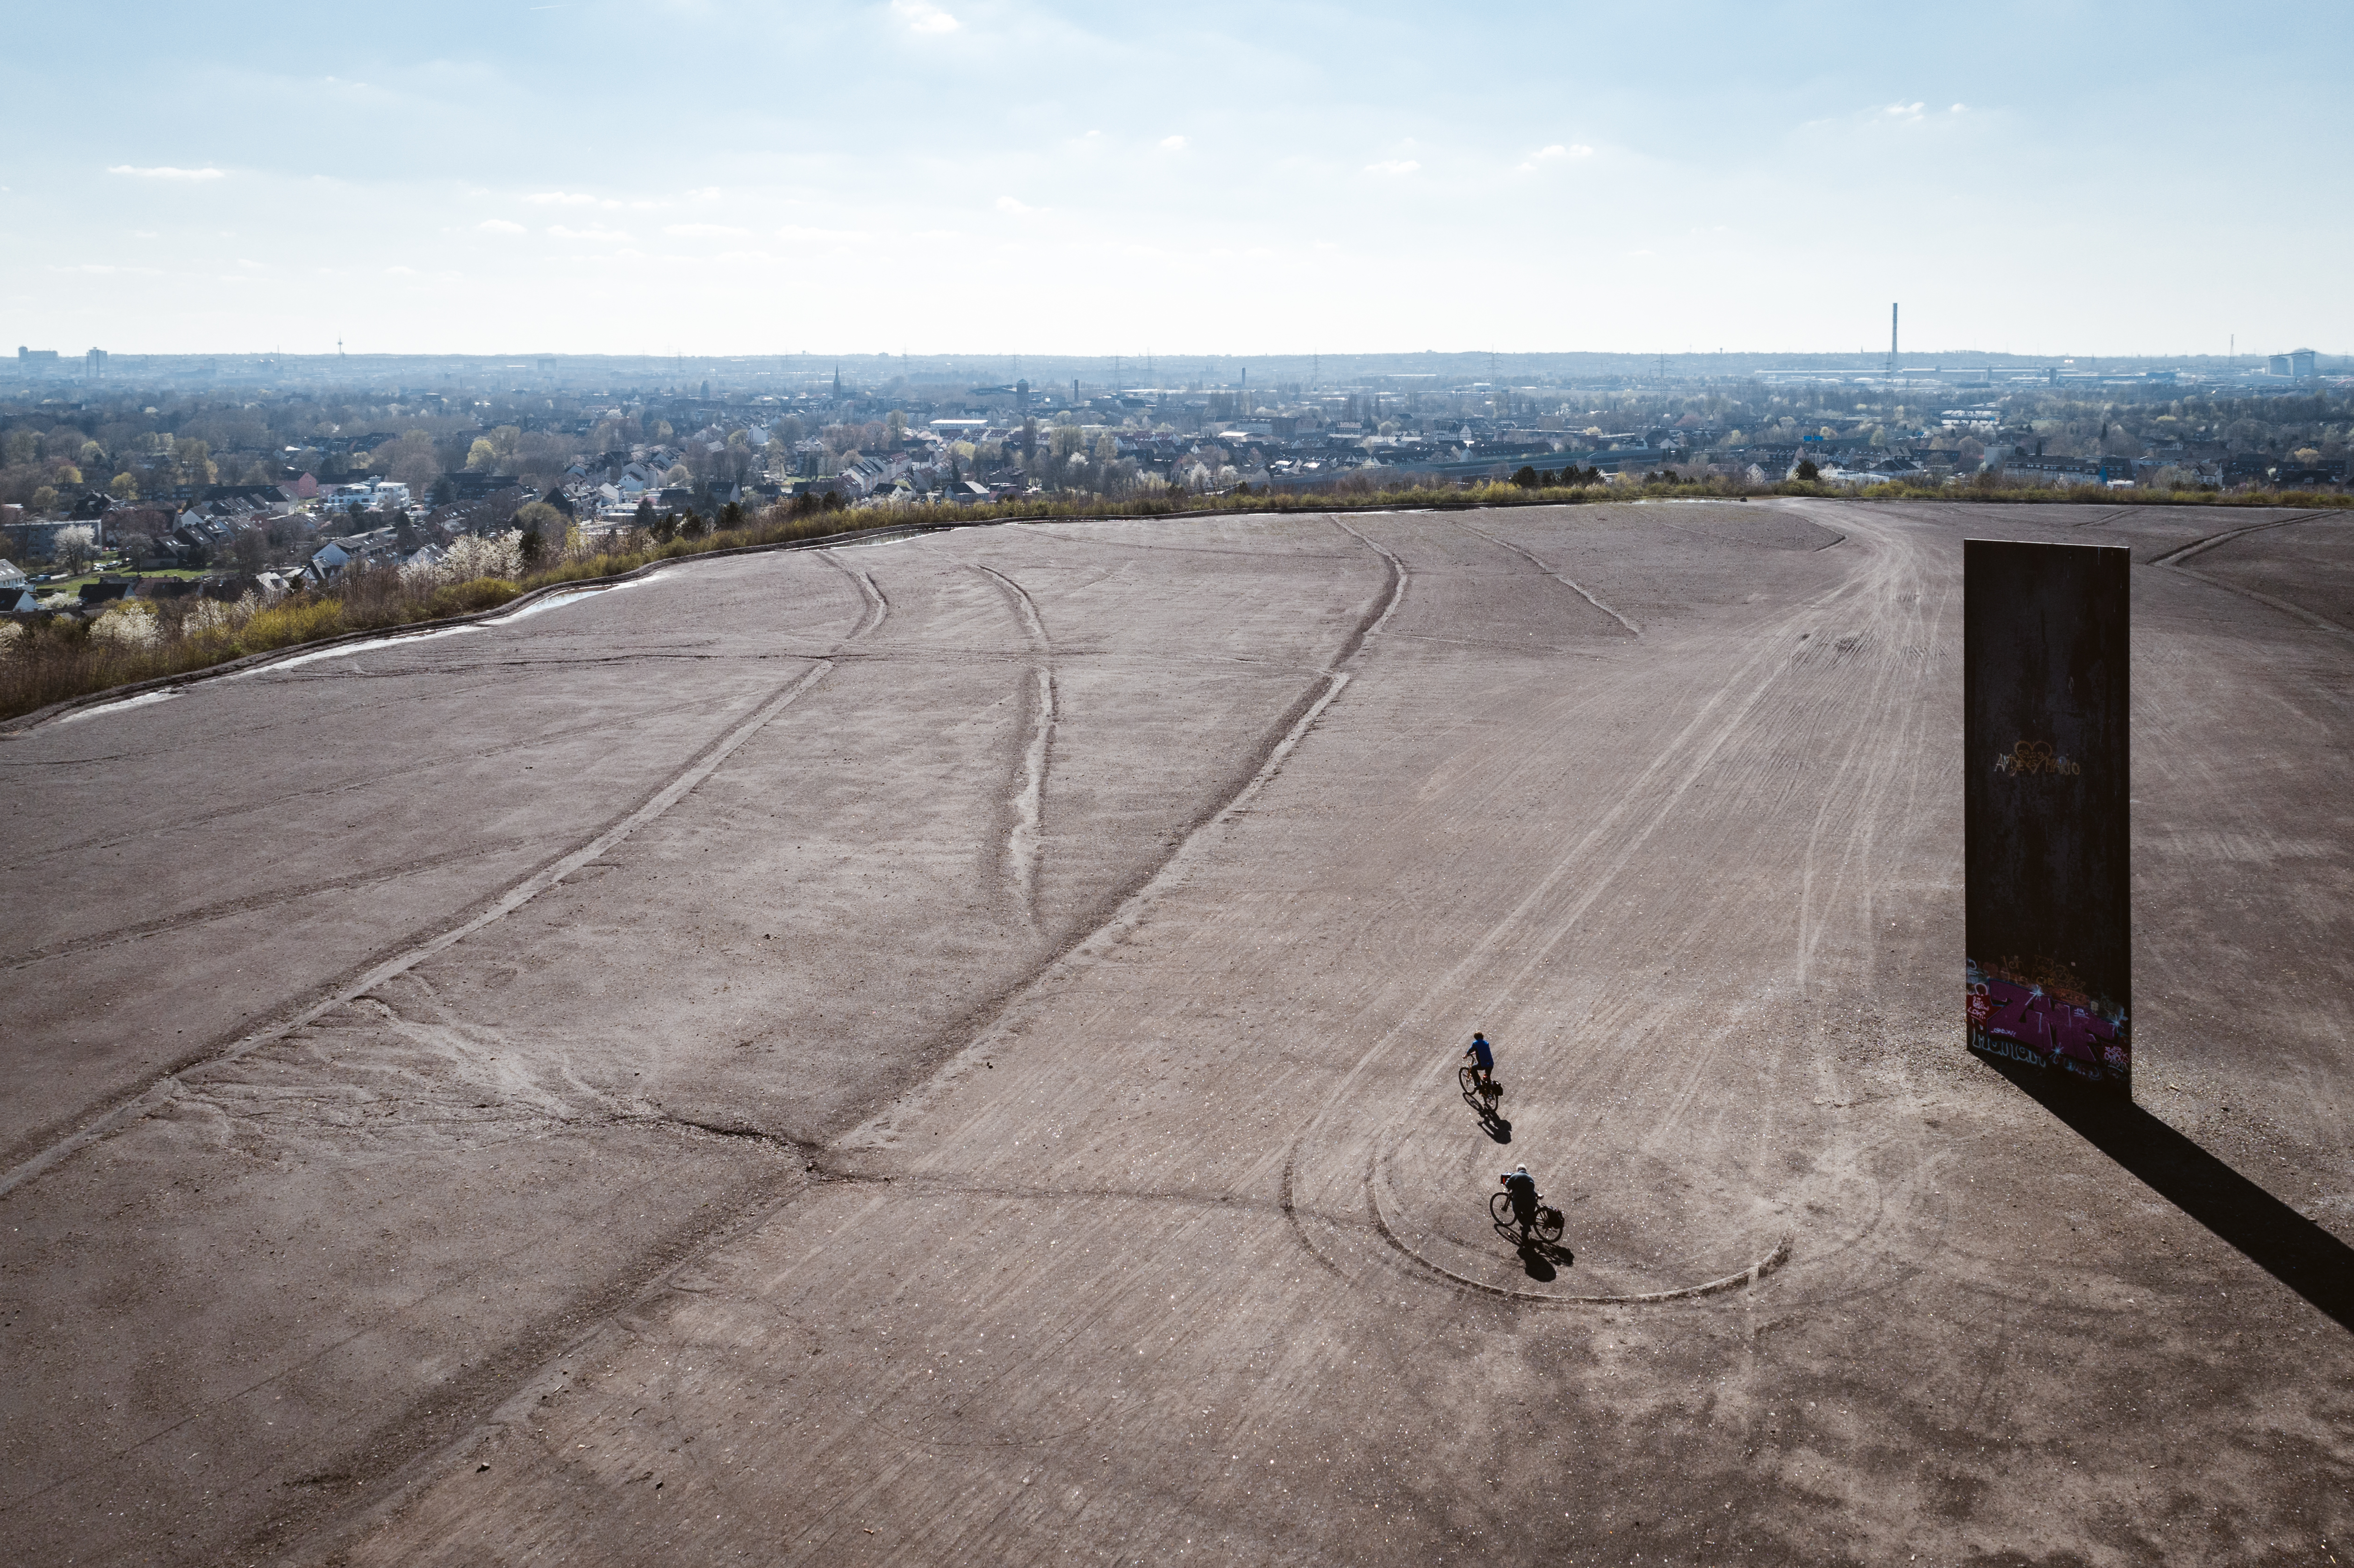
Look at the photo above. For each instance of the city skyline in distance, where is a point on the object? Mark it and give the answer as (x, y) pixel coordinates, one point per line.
(100, 371)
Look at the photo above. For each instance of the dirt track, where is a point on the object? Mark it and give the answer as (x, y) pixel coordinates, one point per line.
(943, 1051)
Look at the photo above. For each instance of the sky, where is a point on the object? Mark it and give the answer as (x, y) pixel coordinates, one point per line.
(1007, 176)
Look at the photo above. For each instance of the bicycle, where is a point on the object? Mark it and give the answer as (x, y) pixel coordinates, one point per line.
(1480, 1093)
(1546, 1226)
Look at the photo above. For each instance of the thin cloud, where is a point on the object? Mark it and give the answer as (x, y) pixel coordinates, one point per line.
(1393, 166)
(1174, 143)
(561, 198)
(923, 16)
(1557, 152)
(705, 231)
(501, 226)
(596, 234)
(1019, 209)
(163, 171)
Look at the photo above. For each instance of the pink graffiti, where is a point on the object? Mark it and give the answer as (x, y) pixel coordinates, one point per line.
(2048, 1027)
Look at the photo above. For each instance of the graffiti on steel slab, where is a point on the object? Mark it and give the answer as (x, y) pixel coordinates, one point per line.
(2036, 1014)
(2036, 758)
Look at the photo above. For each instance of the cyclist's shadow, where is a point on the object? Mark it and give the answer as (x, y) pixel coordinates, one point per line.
(1481, 1097)
(1543, 1261)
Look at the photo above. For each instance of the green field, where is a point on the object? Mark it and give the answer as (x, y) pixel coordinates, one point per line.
(69, 585)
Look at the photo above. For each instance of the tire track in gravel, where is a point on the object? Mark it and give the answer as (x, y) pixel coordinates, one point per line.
(350, 882)
(682, 782)
(1874, 758)
(1025, 830)
(1578, 588)
(170, 826)
(1129, 905)
(2173, 561)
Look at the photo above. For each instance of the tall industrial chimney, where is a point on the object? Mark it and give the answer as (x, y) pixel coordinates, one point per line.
(1891, 338)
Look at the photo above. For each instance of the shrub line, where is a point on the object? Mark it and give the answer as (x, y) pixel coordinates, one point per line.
(11, 728)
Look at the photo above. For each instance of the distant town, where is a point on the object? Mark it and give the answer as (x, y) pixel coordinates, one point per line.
(273, 473)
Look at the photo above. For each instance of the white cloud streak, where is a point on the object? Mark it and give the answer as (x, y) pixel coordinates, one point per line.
(1557, 152)
(163, 172)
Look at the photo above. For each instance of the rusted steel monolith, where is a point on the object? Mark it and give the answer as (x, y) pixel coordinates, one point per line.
(2049, 968)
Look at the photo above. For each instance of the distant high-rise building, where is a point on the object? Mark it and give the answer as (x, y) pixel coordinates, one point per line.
(93, 365)
(33, 362)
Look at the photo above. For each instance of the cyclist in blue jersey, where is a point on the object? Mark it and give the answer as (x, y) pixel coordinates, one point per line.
(1483, 1058)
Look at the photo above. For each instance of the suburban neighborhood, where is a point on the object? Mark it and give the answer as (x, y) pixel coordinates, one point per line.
(178, 480)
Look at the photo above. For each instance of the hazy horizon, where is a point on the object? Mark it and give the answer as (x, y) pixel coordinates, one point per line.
(1002, 177)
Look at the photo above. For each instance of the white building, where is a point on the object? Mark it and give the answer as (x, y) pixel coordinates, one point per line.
(374, 496)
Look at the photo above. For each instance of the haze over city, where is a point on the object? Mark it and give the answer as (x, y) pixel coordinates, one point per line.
(993, 176)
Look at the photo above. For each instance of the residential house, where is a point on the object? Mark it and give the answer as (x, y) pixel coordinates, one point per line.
(2058, 470)
(470, 484)
(331, 560)
(864, 477)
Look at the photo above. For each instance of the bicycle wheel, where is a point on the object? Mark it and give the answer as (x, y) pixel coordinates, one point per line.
(1500, 1209)
(1548, 1225)
(1471, 1082)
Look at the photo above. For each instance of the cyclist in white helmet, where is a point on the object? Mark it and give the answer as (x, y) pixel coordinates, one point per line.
(1521, 1188)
